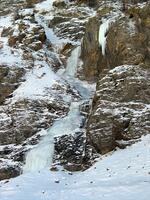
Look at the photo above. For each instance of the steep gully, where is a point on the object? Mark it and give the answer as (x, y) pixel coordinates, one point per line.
(41, 156)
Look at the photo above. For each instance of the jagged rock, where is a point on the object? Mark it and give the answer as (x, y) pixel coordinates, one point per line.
(70, 23)
(32, 37)
(9, 80)
(85, 108)
(72, 152)
(120, 109)
(17, 125)
(31, 3)
(90, 46)
(128, 40)
(36, 45)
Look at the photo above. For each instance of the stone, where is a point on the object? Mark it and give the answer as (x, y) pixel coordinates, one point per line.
(59, 4)
(9, 172)
(90, 51)
(72, 153)
(120, 95)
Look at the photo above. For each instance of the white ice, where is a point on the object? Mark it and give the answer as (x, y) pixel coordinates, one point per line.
(102, 34)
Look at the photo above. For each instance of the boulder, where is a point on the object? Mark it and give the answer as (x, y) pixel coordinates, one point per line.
(9, 171)
(72, 152)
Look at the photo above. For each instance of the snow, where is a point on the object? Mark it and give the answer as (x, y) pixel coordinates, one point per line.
(125, 68)
(5, 21)
(72, 62)
(6, 51)
(37, 82)
(50, 35)
(27, 11)
(121, 175)
(45, 5)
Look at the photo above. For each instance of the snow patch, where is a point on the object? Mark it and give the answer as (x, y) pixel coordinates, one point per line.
(37, 82)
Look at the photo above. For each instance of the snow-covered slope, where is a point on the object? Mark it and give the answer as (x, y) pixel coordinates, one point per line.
(123, 175)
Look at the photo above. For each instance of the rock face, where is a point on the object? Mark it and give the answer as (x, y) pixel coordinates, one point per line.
(135, 50)
(120, 109)
(69, 22)
(10, 76)
(18, 126)
(34, 61)
(90, 51)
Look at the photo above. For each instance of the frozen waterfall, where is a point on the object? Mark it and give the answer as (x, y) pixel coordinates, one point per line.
(41, 156)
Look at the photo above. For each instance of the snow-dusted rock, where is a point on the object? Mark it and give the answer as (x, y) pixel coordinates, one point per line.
(121, 108)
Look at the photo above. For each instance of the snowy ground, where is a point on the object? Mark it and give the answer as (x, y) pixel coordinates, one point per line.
(123, 175)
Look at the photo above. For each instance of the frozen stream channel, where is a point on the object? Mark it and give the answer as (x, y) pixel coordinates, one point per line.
(41, 156)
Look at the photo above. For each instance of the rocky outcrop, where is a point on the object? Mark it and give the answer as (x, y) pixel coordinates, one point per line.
(127, 43)
(120, 109)
(121, 106)
(72, 152)
(9, 172)
(69, 21)
(23, 119)
(27, 32)
(10, 76)
(90, 51)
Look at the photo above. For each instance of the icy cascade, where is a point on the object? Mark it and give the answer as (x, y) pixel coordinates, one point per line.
(102, 34)
(103, 29)
(72, 62)
(41, 156)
